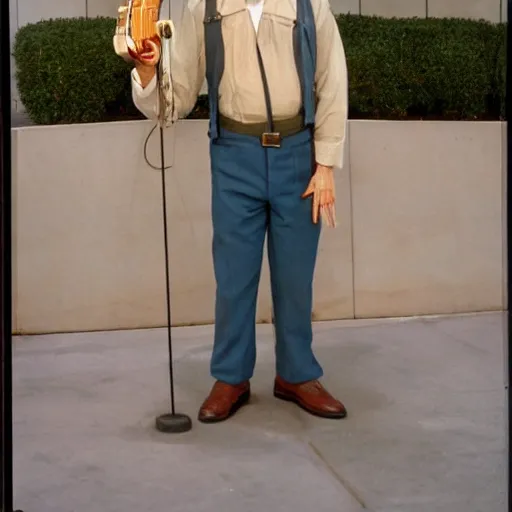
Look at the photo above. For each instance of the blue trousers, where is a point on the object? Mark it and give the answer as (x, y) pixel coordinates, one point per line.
(256, 191)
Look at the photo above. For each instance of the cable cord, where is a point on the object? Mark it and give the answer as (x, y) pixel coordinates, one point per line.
(155, 167)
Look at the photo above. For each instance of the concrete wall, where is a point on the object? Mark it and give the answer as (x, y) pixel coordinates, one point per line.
(420, 205)
(493, 10)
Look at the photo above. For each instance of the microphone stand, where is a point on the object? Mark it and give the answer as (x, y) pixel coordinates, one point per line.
(170, 422)
(6, 456)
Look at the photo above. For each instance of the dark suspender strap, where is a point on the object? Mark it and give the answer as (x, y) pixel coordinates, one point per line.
(269, 138)
(210, 13)
(304, 48)
(214, 47)
(270, 120)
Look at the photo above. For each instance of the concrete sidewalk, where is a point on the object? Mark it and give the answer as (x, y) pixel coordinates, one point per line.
(426, 428)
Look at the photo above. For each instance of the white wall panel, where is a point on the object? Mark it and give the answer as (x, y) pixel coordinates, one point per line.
(13, 18)
(102, 8)
(32, 11)
(473, 9)
(427, 217)
(392, 8)
(345, 6)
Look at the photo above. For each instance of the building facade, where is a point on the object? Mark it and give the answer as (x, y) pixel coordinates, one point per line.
(26, 11)
(31, 11)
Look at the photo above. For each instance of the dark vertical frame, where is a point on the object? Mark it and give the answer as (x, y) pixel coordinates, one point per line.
(508, 351)
(6, 489)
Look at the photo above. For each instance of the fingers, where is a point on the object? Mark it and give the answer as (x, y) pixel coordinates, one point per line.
(151, 56)
(310, 190)
(327, 208)
(316, 206)
(154, 47)
(325, 215)
(331, 215)
(323, 201)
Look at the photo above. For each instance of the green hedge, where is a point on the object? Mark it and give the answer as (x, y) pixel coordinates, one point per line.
(428, 68)
(68, 72)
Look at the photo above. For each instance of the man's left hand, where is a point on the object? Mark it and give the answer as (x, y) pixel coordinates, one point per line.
(322, 188)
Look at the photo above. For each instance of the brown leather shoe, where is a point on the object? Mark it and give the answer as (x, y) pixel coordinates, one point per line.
(310, 396)
(224, 400)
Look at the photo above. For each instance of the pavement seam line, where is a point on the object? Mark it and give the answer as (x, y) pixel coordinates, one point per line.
(348, 487)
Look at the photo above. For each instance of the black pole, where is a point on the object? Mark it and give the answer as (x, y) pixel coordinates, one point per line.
(168, 422)
(509, 252)
(5, 259)
(167, 273)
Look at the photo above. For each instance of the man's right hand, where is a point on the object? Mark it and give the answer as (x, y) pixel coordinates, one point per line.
(147, 62)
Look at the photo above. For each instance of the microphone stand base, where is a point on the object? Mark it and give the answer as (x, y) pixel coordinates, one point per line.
(173, 423)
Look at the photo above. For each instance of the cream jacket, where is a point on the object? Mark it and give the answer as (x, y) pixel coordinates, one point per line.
(241, 95)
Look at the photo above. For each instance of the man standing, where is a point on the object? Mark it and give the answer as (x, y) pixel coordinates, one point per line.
(278, 95)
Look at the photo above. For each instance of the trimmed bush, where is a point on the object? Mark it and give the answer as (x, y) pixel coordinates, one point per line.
(426, 68)
(68, 72)
(501, 68)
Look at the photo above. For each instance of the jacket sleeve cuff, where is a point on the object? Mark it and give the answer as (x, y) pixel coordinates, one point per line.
(137, 87)
(329, 154)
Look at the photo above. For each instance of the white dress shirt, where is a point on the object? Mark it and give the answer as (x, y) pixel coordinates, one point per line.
(255, 8)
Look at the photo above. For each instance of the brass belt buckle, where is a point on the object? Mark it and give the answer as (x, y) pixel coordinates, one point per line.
(271, 140)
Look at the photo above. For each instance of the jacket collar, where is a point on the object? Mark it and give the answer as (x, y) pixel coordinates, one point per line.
(280, 8)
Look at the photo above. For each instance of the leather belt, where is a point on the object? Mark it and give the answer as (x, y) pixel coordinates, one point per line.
(282, 128)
